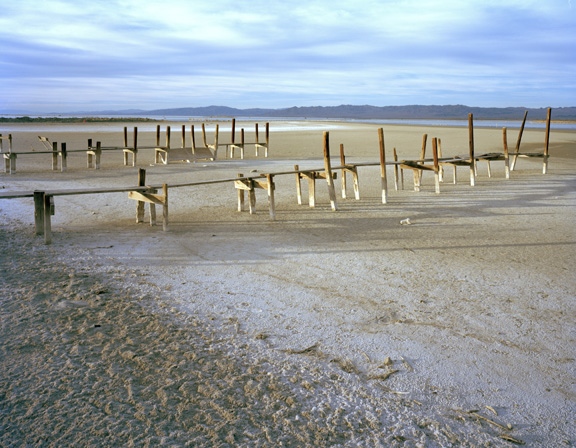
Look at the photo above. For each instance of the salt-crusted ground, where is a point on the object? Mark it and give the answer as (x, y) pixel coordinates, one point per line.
(319, 329)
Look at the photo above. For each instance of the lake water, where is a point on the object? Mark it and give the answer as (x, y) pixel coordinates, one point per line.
(277, 124)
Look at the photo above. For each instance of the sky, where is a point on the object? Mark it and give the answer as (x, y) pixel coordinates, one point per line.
(61, 56)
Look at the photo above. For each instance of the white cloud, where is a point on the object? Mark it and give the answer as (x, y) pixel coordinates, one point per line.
(145, 53)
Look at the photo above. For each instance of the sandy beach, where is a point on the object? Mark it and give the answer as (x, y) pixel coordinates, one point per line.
(321, 328)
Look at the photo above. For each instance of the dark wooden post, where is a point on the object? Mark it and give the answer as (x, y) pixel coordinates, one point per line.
(328, 169)
(471, 149)
(47, 202)
(506, 157)
(140, 204)
(39, 212)
(54, 156)
(546, 141)
(383, 179)
(64, 155)
(436, 165)
(517, 148)
(343, 171)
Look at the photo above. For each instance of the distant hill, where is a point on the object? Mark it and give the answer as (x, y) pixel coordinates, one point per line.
(372, 112)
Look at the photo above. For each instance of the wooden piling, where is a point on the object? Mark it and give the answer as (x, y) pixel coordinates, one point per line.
(343, 171)
(518, 140)
(436, 165)
(270, 189)
(39, 212)
(383, 179)
(471, 149)
(506, 158)
(546, 141)
(64, 157)
(140, 204)
(328, 170)
(54, 156)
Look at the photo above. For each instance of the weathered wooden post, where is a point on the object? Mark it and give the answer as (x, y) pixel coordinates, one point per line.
(436, 166)
(140, 204)
(64, 156)
(328, 169)
(39, 212)
(164, 208)
(125, 141)
(471, 149)
(383, 179)
(54, 156)
(240, 192)
(396, 170)
(518, 140)
(271, 203)
(506, 158)
(47, 202)
(298, 184)
(343, 171)
(546, 141)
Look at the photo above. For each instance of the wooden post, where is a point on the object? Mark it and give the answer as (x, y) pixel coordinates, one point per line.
(242, 143)
(257, 142)
(271, 204)
(89, 154)
(164, 207)
(204, 135)
(328, 169)
(440, 167)
(240, 192)
(97, 155)
(506, 158)
(54, 156)
(47, 202)
(436, 166)
(396, 170)
(422, 155)
(383, 178)
(125, 141)
(64, 155)
(312, 188)
(183, 136)
(39, 212)
(267, 139)
(233, 135)
(298, 185)
(517, 148)
(471, 149)
(192, 140)
(343, 163)
(140, 204)
(546, 141)
(135, 147)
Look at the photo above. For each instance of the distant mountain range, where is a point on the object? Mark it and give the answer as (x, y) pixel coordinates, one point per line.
(364, 112)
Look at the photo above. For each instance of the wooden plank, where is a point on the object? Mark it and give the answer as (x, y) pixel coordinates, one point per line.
(152, 198)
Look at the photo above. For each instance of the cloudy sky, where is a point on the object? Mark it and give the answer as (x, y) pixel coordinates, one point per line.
(79, 55)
